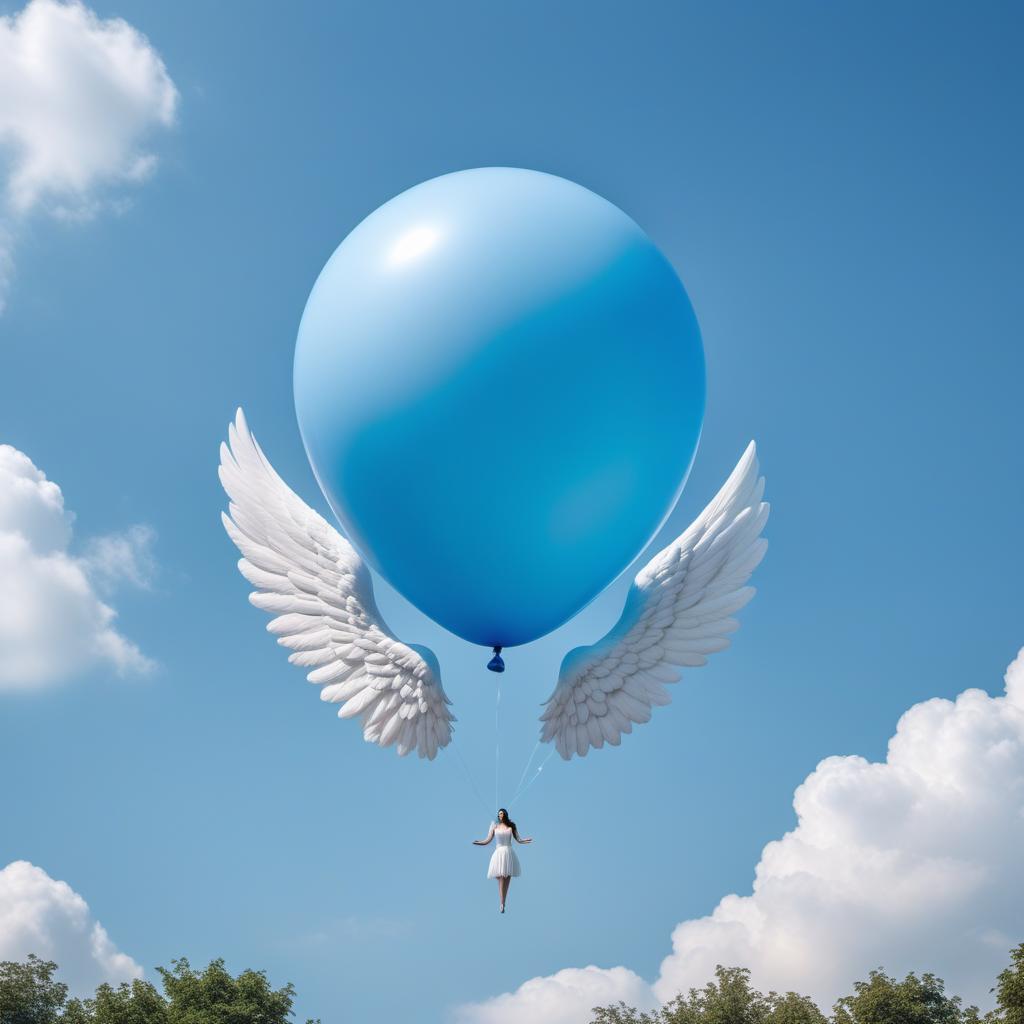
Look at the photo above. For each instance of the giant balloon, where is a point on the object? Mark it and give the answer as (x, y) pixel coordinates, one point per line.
(499, 381)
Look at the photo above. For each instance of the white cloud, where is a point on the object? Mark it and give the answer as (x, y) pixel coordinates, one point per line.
(123, 557)
(79, 98)
(43, 916)
(910, 864)
(52, 622)
(563, 998)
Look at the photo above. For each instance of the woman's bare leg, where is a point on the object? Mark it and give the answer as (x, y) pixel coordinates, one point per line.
(501, 893)
(503, 884)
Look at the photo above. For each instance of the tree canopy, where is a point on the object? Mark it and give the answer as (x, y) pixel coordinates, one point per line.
(883, 1000)
(730, 999)
(31, 994)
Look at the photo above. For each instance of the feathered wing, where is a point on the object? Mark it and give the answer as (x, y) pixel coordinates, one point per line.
(677, 612)
(320, 591)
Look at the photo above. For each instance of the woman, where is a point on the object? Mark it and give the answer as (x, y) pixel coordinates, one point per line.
(504, 864)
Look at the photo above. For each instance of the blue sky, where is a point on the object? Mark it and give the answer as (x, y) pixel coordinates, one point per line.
(838, 188)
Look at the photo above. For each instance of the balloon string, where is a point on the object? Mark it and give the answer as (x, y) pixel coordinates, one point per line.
(526, 768)
(497, 740)
(536, 776)
(468, 774)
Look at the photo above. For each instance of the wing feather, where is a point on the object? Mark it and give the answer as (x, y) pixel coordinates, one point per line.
(321, 596)
(678, 611)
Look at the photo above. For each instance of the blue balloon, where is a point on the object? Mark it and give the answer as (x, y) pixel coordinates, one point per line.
(499, 381)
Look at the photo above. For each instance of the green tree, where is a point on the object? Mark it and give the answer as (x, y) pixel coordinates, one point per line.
(729, 999)
(213, 996)
(28, 993)
(915, 1000)
(135, 1003)
(1010, 991)
(795, 1009)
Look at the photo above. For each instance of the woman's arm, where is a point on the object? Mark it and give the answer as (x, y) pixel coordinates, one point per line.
(484, 842)
(518, 839)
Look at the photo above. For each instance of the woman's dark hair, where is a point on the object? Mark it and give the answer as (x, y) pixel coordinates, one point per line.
(508, 821)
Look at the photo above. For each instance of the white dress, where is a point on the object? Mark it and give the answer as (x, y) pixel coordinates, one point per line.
(504, 862)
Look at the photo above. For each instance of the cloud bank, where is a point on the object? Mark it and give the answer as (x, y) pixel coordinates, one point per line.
(46, 917)
(53, 623)
(910, 864)
(79, 98)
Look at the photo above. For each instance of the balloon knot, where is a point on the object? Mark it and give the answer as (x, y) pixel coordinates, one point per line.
(496, 664)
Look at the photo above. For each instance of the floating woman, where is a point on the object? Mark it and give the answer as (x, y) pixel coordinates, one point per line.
(504, 864)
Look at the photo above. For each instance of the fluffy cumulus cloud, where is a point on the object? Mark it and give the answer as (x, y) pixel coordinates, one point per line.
(913, 863)
(43, 916)
(79, 99)
(53, 623)
(563, 998)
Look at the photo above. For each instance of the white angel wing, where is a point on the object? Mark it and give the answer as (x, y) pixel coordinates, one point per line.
(311, 578)
(677, 612)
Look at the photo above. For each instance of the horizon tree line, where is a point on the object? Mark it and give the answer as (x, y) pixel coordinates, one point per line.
(30, 993)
